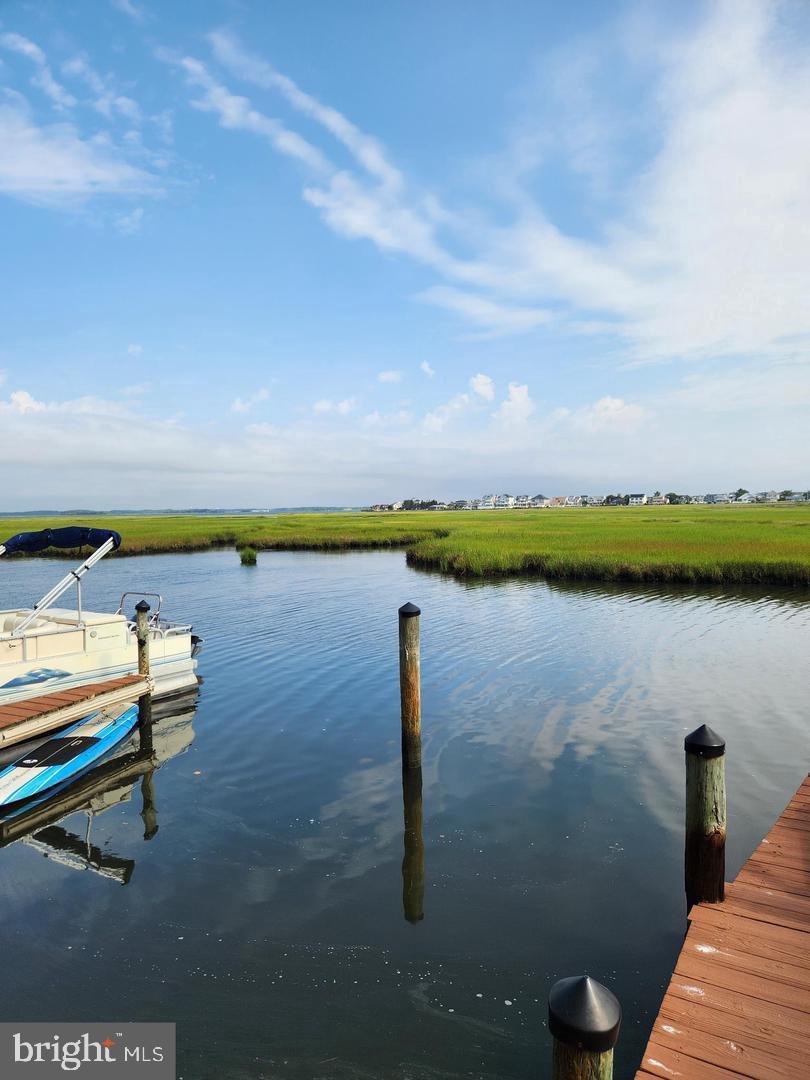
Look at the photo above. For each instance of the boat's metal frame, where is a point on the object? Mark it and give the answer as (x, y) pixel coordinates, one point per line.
(61, 587)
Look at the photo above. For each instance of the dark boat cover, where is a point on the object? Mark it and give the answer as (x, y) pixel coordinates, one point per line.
(73, 536)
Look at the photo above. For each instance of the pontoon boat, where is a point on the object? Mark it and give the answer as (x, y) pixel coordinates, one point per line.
(44, 650)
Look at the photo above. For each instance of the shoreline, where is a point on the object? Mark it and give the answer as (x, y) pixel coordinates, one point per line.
(723, 545)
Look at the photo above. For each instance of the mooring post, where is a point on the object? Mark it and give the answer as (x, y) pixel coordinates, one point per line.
(413, 860)
(145, 700)
(584, 1018)
(705, 856)
(409, 686)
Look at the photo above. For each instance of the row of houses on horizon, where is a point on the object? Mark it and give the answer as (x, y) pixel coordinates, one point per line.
(538, 502)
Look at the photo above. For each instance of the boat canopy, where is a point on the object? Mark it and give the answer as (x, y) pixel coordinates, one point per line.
(73, 536)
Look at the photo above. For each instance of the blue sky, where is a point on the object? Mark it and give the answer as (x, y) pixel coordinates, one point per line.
(261, 254)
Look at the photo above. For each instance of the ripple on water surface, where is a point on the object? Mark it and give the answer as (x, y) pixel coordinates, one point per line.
(267, 915)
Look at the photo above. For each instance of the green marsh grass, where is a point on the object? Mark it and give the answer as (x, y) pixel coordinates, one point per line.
(767, 544)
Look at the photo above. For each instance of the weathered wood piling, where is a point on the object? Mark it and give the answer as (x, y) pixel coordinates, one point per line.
(584, 1018)
(145, 700)
(409, 686)
(413, 860)
(705, 854)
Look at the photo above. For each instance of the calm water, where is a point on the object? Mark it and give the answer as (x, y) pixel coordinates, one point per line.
(266, 915)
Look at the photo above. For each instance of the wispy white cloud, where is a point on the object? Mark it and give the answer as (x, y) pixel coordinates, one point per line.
(137, 12)
(134, 349)
(390, 377)
(53, 164)
(387, 420)
(22, 402)
(237, 113)
(517, 406)
(483, 386)
(371, 205)
(342, 408)
(438, 419)
(702, 250)
(130, 223)
(136, 390)
(784, 384)
(427, 369)
(493, 317)
(244, 405)
(107, 100)
(364, 148)
(609, 414)
(43, 77)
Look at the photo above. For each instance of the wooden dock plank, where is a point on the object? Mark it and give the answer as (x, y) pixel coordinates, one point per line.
(660, 1060)
(45, 703)
(776, 877)
(738, 1003)
(744, 981)
(782, 937)
(26, 719)
(740, 1056)
(742, 952)
(750, 1007)
(764, 1037)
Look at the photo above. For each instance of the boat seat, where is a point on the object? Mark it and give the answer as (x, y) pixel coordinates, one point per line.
(12, 621)
(66, 617)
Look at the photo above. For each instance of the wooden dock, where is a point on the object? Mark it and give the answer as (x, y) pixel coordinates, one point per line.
(738, 1003)
(27, 719)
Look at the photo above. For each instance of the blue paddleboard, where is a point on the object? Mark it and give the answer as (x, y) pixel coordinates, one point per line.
(72, 752)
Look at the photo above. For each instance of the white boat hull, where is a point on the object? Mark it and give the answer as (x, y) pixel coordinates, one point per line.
(61, 652)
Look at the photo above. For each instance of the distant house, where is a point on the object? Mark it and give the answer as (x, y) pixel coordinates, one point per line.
(723, 497)
(638, 500)
(747, 498)
(573, 500)
(594, 500)
(522, 502)
(658, 500)
(487, 503)
(558, 500)
(797, 496)
(504, 502)
(380, 507)
(539, 502)
(396, 506)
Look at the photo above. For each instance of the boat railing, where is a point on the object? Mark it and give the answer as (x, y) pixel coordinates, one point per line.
(164, 630)
(66, 582)
(154, 618)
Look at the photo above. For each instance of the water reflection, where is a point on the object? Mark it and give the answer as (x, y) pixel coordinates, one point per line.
(78, 853)
(278, 892)
(108, 785)
(413, 862)
(782, 596)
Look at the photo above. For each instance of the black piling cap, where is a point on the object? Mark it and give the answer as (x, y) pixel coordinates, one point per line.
(142, 606)
(705, 743)
(584, 1014)
(409, 610)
